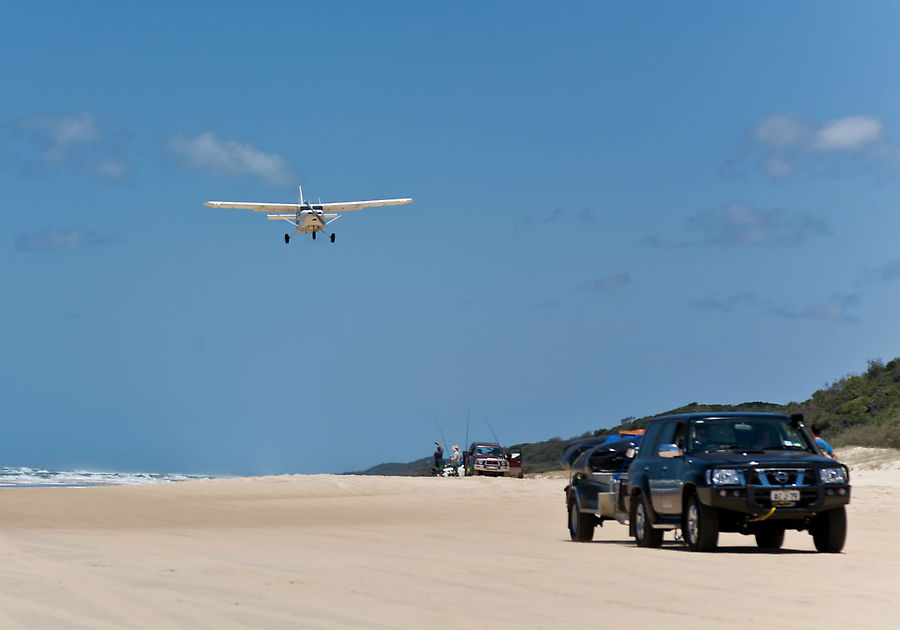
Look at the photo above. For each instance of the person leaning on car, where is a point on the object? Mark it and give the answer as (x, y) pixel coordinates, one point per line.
(820, 441)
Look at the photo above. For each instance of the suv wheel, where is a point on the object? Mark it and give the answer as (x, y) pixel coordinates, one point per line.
(772, 539)
(829, 530)
(701, 525)
(581, 526)
(644, 533)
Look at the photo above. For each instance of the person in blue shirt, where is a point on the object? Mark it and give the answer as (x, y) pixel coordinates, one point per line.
(820, 441)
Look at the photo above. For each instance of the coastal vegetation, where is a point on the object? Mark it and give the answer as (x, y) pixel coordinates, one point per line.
(855, 410)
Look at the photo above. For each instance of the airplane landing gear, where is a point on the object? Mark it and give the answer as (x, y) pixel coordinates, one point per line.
(331, 236)
(287, 239)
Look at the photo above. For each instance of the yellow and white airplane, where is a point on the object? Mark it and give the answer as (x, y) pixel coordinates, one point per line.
(306, 216)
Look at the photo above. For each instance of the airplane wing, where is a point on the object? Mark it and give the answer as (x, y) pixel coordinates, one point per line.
(278, 217)
(256, 207)
(347, 206)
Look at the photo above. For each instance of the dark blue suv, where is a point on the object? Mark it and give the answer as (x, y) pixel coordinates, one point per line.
(752, 473)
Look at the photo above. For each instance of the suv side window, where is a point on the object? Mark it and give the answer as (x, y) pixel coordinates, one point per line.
(672, 433)
(678, 440)
(650, 443)
(667, 433)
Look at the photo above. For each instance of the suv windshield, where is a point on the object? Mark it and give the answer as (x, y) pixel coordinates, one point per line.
(488, 450)
(756, 434)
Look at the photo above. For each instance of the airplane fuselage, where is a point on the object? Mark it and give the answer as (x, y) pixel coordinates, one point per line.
(310, 221)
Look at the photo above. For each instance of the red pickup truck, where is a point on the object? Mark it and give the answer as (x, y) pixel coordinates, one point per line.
(488, 458)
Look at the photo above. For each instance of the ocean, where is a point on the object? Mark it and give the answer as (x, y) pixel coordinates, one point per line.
(23, 476)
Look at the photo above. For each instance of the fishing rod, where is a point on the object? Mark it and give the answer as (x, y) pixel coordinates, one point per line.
(443, 437)
(494, 434)
(468, 416)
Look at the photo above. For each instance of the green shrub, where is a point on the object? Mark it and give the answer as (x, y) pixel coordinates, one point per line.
(872, 435)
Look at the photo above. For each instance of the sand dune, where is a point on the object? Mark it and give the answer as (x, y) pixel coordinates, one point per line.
(323, 551)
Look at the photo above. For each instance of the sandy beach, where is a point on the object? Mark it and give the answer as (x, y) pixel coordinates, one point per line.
(323, 551)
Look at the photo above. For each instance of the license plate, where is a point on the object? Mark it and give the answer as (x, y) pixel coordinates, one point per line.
(785, 496)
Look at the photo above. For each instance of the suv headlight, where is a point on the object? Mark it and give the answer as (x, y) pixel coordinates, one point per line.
(832, 475)
(725, 477)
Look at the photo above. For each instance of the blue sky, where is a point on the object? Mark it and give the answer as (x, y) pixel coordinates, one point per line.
(620, 208)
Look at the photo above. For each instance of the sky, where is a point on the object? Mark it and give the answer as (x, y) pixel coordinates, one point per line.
(619, 209)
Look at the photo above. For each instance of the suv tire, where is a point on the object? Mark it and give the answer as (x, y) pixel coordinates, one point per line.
(644, 533)
(830, 530)
(701, 525)
(581, 526)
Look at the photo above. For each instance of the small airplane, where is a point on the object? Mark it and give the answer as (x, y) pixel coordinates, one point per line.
(306, 216)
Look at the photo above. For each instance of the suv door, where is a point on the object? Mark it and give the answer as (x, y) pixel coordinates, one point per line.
(667, 473)
(646, 464)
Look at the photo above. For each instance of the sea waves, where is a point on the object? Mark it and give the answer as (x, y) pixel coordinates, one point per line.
(24, 476)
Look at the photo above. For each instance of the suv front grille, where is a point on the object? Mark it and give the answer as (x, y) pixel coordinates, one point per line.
(782, 477)
(763, 480)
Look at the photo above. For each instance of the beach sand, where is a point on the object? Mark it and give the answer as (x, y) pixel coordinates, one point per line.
(323, 551)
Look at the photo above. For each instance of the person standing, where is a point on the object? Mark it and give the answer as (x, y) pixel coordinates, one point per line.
(438, 457)
(820, 441)
(456, 458)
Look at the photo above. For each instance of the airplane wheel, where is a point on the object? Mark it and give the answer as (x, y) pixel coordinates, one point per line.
(332, 238)
(314, 236)
(287, 238)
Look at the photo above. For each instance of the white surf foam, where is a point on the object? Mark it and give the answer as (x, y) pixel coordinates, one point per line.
(24, 476)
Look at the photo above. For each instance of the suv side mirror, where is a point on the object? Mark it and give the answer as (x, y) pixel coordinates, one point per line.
(669, 451)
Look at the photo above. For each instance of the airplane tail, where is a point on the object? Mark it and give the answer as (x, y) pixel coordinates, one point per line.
(301, 194)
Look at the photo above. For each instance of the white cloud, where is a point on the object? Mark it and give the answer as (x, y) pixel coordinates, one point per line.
(112, 169)
(71, 141)
(835, 309)
(584, 216)
(847, 133)
(780, 130)
(726, 304)
(61, 130)
(785, 145)
(777, 167)
(743, 225)
(51, 238)
(887, 272)
(229, 158)
(609, 284)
